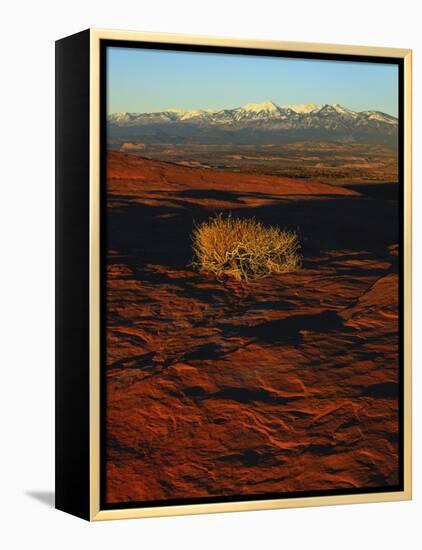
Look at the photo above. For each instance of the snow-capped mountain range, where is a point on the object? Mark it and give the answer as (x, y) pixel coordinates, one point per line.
(252, 123)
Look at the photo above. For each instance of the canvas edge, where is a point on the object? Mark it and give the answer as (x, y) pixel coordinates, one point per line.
(96, 514)
(71, 369)
(407, 245)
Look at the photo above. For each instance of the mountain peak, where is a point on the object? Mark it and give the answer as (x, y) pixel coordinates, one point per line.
(264, 122)
(340, 109)
(336, 108)
(267, 106)
(302, 108)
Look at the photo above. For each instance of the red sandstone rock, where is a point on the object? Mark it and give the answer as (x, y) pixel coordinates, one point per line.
(216, 388)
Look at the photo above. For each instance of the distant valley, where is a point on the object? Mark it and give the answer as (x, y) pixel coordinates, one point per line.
(324, 161)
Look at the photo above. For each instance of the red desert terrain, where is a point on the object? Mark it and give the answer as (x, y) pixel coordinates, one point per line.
(216, 388)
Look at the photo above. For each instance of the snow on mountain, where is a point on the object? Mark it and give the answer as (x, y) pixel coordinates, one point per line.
(301, 108)
(252, 111)
(379, 117)
(265, 122)
(344, 110)
(336, 108)
(186, 115)
(268, 107)
(122, 118)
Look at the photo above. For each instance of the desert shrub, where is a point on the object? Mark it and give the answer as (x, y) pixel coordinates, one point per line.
(244, 248)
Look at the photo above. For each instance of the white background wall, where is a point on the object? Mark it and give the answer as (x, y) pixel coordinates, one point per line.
(28, 31)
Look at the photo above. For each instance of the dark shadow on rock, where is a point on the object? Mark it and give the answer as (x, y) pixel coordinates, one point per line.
(214, 194)
(288, 330)
(251, 458)
(144, 361)
(249, 395)
(161, 234)
(383, 390)
(376, 190)
(207, 351)
(238, 394)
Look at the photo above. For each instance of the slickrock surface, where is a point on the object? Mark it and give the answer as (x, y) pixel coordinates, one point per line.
(286, 384)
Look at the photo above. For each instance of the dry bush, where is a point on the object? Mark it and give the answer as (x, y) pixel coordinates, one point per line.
(244, 248)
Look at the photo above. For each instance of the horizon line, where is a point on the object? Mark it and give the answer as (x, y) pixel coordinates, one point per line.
(279, 105)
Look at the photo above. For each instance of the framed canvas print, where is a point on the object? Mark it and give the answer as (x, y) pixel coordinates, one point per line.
(233, 274)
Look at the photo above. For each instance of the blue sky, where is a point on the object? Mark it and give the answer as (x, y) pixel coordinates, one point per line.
(152, 80)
